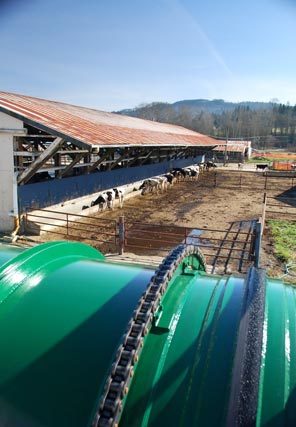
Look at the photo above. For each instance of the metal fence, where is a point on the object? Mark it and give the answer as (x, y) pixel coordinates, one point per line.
(251, 181)
(99, 232)
(280, 208)
(233, 248)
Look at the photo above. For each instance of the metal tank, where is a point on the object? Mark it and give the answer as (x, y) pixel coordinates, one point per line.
(86, 342)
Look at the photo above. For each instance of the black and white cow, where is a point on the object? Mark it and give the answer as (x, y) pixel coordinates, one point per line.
(110, 198)
(101, 200)
(170, 178)
(119, 195)
(149, 186)
(210, 165)
(179, 173)
(262, 166)
(163, 182)
(192, 172)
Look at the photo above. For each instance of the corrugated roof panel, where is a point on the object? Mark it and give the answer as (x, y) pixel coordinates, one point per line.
(231, 148)
(98, 127)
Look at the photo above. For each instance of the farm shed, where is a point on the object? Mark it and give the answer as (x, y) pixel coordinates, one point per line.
(52, 152)
(232, 151)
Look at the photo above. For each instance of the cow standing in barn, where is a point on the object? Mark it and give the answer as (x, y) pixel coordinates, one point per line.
(210, 165)
(110, 198)
(171, 179)
(149, 186)
(119, 195)
(101, 200)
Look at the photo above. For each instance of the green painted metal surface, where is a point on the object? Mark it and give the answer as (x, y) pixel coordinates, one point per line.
(186, 364)
(277, 403)
(63, 311)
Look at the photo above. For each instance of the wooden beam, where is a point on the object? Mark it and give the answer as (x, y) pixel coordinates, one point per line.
(37, 153)
(40, 161)
(67, 169)
(112, 165)
(99, 161)
(40, 136)
(65, 152)
(134, 159)
(146, 157)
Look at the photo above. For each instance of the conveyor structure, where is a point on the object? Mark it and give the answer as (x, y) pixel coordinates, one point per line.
(88, 343)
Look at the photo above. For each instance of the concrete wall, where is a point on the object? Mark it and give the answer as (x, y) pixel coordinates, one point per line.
(8, 190)
(42, 194)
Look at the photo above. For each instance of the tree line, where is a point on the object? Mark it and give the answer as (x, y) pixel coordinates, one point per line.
(267, 127)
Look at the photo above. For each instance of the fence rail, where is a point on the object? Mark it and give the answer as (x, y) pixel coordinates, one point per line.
(222, 247)
(279, 207)
(73, 227)
(239, 180)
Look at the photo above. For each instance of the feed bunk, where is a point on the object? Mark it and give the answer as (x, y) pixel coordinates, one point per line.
(87, 342)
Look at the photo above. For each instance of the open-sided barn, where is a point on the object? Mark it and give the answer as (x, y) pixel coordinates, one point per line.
(52, 152)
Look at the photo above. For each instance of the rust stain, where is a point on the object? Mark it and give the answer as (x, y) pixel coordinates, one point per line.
(98, 127)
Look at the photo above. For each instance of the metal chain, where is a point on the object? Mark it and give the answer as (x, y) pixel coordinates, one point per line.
(122, 370)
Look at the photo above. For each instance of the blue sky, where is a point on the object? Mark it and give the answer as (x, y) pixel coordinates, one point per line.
(113, 54)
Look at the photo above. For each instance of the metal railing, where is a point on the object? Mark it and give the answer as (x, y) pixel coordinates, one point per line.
(222, 247)
(72, 226)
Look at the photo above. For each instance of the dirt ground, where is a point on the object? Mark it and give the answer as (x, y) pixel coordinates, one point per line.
(219, 200)
(237, 197)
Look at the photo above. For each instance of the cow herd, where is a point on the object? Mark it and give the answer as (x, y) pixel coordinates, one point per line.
(157, 184)
(161, 183)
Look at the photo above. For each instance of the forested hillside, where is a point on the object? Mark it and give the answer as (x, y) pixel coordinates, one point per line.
(268, 124)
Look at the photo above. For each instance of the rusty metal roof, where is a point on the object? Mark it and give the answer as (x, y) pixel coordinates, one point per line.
(231, 148)
(94, 127)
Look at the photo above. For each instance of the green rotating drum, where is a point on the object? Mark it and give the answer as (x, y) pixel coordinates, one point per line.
(219, 351)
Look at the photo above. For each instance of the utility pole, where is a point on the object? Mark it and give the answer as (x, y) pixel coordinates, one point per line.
(225, 152)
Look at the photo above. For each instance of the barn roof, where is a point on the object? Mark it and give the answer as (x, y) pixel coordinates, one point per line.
(99, 128)
(231, 148)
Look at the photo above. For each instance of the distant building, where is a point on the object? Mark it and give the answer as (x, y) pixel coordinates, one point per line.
(232, 152)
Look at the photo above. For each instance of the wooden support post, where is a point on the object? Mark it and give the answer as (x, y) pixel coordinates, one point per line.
(40, 160)
(124, 155)
(67, 169)
(99, 161)
(146, 157)
(135, 159)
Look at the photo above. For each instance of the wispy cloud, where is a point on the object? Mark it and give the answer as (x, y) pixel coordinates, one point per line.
(190, 21)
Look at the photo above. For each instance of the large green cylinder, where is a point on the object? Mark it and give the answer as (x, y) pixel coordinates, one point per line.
(63, 312)
(221, 350)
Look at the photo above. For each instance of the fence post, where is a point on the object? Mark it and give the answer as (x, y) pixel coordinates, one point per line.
(215, 179)
(258, 238)
(265, 184)
(67, 219)
(264, 212)
(240, 181)
(121, 234)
